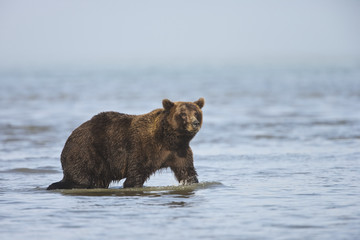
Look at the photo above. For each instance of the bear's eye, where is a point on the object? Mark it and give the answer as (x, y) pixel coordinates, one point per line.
(182, 114)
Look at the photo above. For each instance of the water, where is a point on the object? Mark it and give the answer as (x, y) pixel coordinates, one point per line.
(278, 155)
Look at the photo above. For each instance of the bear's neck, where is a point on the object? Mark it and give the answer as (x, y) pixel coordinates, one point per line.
(170, 138)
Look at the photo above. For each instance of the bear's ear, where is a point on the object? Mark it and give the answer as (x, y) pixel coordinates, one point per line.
(200, 102)
(167, 104)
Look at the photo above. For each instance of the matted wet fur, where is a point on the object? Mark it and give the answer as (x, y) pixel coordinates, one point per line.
(112, 146)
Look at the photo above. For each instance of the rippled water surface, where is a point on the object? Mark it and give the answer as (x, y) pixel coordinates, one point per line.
(278, 156)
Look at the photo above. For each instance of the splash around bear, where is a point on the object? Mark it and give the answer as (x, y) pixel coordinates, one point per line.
(112, 146)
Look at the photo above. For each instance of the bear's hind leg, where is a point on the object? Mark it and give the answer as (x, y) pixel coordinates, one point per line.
(134, 181)
(65, 185)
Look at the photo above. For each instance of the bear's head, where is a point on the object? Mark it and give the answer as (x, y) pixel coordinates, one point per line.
(185, 118)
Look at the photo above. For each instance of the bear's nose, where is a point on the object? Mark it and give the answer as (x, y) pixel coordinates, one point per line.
(196, 124)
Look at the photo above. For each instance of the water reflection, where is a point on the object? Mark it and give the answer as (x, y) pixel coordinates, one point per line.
(121, 193)
(175, 191)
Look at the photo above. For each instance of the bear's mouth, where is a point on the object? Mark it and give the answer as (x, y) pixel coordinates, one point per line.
(190, 131)
(187, 132)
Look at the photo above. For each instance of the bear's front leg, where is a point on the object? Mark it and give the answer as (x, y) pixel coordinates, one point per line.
(189, 181)
(185, 176)
(184, 170)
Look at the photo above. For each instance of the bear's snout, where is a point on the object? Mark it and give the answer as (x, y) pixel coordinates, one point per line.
(196, 124)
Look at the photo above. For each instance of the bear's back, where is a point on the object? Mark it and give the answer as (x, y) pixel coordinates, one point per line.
(106, 124)
(100, 129)
(108, 117)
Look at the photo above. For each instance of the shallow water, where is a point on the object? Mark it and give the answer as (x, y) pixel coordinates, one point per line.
(278, 155)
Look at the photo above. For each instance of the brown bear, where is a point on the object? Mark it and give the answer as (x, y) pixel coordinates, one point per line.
(112, 146)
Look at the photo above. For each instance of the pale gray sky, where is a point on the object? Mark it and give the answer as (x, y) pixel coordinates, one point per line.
(45, 33)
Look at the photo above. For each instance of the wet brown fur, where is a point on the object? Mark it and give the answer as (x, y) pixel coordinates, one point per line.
(112, 146)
